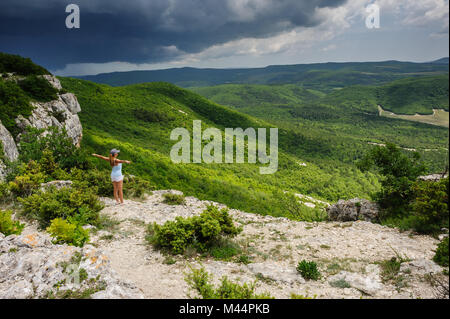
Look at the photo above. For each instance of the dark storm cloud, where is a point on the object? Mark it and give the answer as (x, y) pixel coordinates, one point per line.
(140, 31)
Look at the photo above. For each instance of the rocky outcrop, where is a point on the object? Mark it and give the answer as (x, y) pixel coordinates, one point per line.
(433, 177)
(62, 113)
(352, 210)
(9, 146)
(32, 267)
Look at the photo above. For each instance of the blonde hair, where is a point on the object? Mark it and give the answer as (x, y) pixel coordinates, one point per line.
(112, 159)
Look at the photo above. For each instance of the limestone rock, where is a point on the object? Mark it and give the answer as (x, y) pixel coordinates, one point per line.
(56, 184)
(31, 267)
(71, 102)
(369, 283)
(352, 210)
(53, 81)
(276, 273)
(55, 113)
(421, 267)
(9, 146)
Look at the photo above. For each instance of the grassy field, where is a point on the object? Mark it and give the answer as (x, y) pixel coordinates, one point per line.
(439, 117)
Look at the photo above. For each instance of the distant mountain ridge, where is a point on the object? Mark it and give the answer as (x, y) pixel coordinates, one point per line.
(319, 76)
(441, 61)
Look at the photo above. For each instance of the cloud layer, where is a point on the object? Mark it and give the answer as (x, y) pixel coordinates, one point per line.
(143, 31)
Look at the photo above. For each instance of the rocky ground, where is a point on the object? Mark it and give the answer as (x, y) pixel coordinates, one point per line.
(348, 255)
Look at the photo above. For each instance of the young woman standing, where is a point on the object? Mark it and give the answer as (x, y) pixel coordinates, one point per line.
(116, 174)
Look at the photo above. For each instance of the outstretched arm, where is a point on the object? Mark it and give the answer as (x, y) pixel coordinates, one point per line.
(126, 162)
(101, 157)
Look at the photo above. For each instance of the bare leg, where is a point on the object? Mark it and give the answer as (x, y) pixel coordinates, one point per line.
(116, 191)
(120, 189)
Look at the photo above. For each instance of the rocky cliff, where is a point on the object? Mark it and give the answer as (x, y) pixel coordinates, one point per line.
(61, 113)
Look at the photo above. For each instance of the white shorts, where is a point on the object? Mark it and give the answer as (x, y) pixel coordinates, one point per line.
(117, 178)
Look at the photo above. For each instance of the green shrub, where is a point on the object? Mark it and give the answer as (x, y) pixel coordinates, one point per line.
(38, 88)
(33, 142)
(200, 281)
(5, 193)
(341, 283)
(22, 66)
(390, 268)
(430, 206)
(76, 203)
(226, 250)
(29, 179)
(399, 171)
(13, 102)
(8, 226)
(441, 255)
(151, 116)
(174, 199)
(136, 187)
(308, 270)
(199, 231)
(66, 232)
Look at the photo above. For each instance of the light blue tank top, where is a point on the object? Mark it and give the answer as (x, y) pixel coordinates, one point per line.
(117, 171)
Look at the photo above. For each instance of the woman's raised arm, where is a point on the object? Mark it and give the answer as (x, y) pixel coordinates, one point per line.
(101, 157)
(126, 162)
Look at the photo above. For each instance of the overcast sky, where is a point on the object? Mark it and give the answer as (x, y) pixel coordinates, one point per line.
(128, 35)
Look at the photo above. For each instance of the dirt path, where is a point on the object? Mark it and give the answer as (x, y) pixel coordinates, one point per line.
(275, 246)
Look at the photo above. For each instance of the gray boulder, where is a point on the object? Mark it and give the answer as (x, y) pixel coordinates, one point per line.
(370, 283)
(32, 267)
(352, 210)
(9, 146)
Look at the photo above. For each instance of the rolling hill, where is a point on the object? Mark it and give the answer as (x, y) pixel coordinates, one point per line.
(138, 120)
(319, 76)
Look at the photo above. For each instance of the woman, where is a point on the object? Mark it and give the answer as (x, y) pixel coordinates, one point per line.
(116, 174)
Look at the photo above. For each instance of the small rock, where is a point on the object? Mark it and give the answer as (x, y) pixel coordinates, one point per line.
(276, 272)
(421, 267)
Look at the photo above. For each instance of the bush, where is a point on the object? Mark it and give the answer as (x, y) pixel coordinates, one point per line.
(76, 203)
(19, 65)
(5, 193)
(151, 116)
(38, 88)
(136, 187)
(308, 270)
(33, 142)
(200, 281)
(13, 102)
(8, 226)
(430, 206)
(29, 179)
(399, 173)
(66, 232)
(174, 199)
(441, 256)
(199, 231)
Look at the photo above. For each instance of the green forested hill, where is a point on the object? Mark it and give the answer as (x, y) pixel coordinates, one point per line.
(345, 119)
(405, 96)
(319, 76)
(138, 119)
